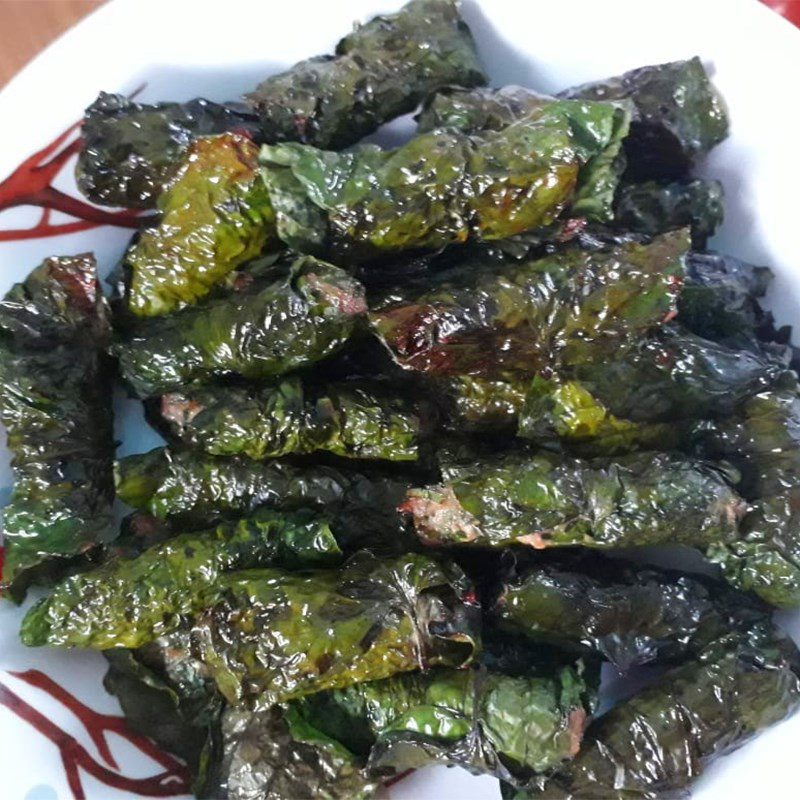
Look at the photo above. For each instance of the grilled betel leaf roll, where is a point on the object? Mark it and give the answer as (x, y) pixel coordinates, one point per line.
(130, 601)
(626, 613)
(679, 116)
(482, 720)
(445, 187)
(215, 216)
(379, 71)
(276, 635)
(545, 500)
(55, 402)
(268, 421)
(132, 150)
(259, 332)
(188, 489)
(762, 440)
(571, 307)
(655, 744)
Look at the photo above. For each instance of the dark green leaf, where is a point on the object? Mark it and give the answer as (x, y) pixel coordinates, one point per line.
(762, 439)
(481, 110)
(475, 110)
(380, 71)
(274, 754)
(475, 404)
(720, 298)
(277, 635)
(165, 696)
(129, 602)
(190, 490)
(652, 208)
(484, 721)
(215, 216)
(55, 402)
(676, 375)
(354, 421)
(445, 187)
(564, 414)
(630, 615)
(547, 501)
(131, 151)
(653, 745)
(258, 332)
(679, 116)
(766, 558)
(566, 308)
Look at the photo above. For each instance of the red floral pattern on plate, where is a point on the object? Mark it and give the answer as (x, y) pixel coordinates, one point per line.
(172, 781)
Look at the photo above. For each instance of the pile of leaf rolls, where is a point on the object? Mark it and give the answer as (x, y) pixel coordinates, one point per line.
(409, 396)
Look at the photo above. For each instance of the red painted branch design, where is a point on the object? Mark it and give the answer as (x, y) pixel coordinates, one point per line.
(174, 780)
(30, 184)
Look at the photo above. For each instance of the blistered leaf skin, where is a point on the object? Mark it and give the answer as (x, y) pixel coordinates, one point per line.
(566, 308)
(215, 215)
(546, 501)
(129, 602)
(679, 116)
(55, 403)
(444, 187)
(260, 332)
(380, 71)
(271, 421)
(655, 744)
(277, 635)
(188, 489)
(131, 151)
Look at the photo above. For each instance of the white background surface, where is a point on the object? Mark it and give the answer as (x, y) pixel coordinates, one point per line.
(182, 49)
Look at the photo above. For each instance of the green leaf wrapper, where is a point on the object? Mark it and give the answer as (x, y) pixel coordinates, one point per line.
(721, 296)
(132, 150)
(129, 602)
(480, 110)
(350, 421)
(570, 307)
(259, 332)
(276, 635)
(165, 695)
(187, 489)
(274, 754)
(474, 110)
(380, 71)
(565, 415)
(55, 402)
(679, 116)
(762, 440)
(442, 187)
(215, 216)
(482, 405)
(546, 501)
(675, 375)
(654, 744)
(652, 208)
(484, 721)
(629, 615)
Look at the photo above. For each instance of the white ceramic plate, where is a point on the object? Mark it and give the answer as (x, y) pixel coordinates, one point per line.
(184, 48)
